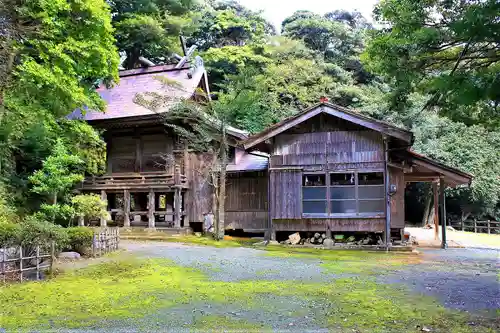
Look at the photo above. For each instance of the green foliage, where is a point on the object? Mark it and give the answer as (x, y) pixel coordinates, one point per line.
(227, 23)
(89, 205)
(80, 238)
(61, 214)
(36, 231)
(448, 49)
(60, 172)
(150, 28)
(10, 234)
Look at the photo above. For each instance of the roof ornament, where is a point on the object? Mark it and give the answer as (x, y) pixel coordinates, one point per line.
(323, 99)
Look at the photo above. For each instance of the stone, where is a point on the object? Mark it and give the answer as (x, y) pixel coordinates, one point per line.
(323, 236)
(317, 235)
(294, 238)
(313, 240)
(328, 243)
(69, 255)
(197, 234)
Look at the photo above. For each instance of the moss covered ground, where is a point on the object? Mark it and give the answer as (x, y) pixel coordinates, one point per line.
(126, 287)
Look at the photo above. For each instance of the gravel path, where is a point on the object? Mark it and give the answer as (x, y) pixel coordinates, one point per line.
(462, 279)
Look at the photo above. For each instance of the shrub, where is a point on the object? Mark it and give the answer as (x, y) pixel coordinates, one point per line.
(9, 234)
(61, 214)
(80, 239)
(90, 206)
(36, 231)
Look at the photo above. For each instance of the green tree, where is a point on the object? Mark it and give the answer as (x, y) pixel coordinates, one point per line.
(60, 172)
(150, 28)
(447, 49)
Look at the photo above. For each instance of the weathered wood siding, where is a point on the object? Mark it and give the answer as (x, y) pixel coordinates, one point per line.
(199, 196)
(397, 199)
(246, 201)
(286, 189)
(321, 225)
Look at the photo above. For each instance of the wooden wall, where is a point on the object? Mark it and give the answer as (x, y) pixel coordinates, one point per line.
(246, 201)
(199, 196)
(398, 199)
(139, 150)
(286, 193)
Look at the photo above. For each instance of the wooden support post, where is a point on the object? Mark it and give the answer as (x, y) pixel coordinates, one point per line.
(81, 220)
(475, 226)
(273, 234)
(442, 213)
(126, 208)
(488, 226)
(185, 216)
(37, 262)
(436, 209)
(151, 209)
(104, 197)
(21, 263)
(177, 208)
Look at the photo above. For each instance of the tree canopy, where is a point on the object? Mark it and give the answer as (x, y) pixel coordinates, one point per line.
(429, 66)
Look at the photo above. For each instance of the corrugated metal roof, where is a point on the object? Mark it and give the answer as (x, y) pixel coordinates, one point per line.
(249, 162)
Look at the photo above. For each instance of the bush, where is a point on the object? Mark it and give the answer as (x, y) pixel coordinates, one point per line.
(89, 205)
(10, 234)
(36, 231)
(80, 239)
(61, 214)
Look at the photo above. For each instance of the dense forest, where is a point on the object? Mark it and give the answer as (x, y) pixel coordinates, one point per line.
(430, 66)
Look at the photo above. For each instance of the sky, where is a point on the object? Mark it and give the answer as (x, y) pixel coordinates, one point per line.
(276, 10)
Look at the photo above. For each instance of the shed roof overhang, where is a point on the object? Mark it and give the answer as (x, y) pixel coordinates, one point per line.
(425, 169)
(333, 110)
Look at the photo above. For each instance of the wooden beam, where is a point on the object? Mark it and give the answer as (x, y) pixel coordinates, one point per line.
(126, 208)
(177, 208)
(104, 197)
(151, 209)
(442, 213)
(421, 177)
(436, 209)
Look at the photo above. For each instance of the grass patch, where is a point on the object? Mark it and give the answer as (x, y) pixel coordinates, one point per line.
(124, 289)
(228, 241)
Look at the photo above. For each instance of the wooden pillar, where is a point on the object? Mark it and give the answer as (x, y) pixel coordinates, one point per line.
(442, 213)
(185, 217)
(81, 220)
(151, 209)
(177, 208)
(126, 208)
(104, 197)
(436, 209)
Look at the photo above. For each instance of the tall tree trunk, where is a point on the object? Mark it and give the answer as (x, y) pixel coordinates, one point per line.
(222, 183)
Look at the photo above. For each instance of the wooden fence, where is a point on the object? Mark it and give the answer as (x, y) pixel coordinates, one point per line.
(489, 227)
(20, 263)
(105, 240)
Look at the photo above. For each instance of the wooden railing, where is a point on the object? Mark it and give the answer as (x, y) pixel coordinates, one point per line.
(489, 227)
(105, 240)
(18, 262)
(135, 180)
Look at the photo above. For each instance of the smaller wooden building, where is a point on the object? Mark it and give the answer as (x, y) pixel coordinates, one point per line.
(334, 170)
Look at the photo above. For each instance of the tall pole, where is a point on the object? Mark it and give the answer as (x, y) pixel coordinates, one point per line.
(442, 213)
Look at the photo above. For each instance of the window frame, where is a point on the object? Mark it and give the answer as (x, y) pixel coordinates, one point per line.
(328, 213)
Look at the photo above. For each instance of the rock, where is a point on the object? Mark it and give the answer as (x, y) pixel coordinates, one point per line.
(350, 239)
(328, 243)
(450, 228)
(197, 234)
(294, 238)
(425, 329)
(320, 241)
(313, 240)
(69, 255)
(317, 235)
(323, 236)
